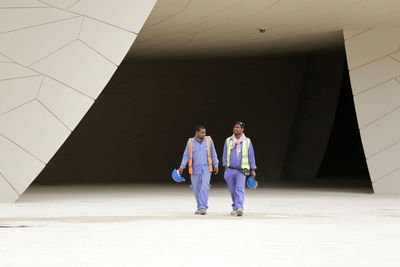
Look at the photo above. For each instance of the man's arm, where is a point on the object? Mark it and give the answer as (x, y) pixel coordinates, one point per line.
(252, 160)
(214, 155)
(185, 159)
(224, 156)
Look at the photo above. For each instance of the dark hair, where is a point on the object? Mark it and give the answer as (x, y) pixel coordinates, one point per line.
(239, 123)
(199, 128)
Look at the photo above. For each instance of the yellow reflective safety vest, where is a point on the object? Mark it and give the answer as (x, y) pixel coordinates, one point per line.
(245, 152)
(190, 150)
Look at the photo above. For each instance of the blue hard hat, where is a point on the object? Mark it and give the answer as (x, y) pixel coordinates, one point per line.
(252, 183)
(177, 177)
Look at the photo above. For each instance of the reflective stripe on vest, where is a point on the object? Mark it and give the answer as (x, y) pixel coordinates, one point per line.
(190, 149)
(209, 158)
(245, 153)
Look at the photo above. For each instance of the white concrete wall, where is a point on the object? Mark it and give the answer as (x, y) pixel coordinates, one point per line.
(56, 56)
(373, 56)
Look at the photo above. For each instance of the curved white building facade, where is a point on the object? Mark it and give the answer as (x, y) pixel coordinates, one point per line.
(56, 56)
(373, 56)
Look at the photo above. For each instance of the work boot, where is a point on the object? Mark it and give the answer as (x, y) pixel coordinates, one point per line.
(203, 212)
(233, 212)
(239, 212)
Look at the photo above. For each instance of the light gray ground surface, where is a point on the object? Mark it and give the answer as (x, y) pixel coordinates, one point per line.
(151, 225)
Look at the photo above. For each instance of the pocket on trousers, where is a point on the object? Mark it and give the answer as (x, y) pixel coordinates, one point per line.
(226, 172)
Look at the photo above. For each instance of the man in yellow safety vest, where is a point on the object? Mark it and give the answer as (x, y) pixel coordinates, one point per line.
(239, 162)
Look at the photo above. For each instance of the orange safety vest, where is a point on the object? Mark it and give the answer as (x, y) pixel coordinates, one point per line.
(190, 149)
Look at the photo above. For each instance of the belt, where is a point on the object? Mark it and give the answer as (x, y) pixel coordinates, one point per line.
(235, 168)
(243, 171)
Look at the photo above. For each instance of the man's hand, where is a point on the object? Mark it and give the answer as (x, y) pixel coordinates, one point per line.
(215, 170)
(253, 173)
(180, 170)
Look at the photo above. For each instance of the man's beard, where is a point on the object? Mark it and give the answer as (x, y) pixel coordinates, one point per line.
(198, 137)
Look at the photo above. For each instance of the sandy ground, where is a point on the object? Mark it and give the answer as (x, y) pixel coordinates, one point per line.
(149, 225)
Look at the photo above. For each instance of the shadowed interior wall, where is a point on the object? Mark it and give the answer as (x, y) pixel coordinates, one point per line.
(314, 115)
(138, 128)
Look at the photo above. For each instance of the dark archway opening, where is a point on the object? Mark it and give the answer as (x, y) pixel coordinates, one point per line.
(137, 129)
(344, 155)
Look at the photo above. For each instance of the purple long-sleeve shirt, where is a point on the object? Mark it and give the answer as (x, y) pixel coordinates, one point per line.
(200, 163)
(236, 162)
